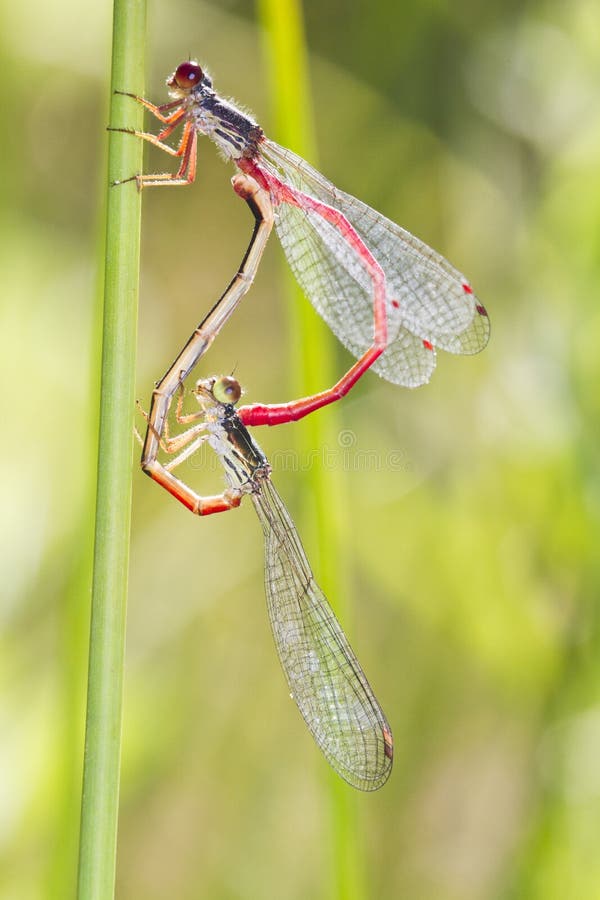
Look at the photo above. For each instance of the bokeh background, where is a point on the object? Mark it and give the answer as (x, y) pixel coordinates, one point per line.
(463, 516)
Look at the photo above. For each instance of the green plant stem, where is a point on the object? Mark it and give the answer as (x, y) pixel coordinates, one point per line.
(99, 807)
(313, 350)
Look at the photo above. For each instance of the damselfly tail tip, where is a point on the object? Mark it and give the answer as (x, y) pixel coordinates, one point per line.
(388, 743)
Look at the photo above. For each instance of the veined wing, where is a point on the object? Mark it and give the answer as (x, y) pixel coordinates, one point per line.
(324, 676)
(429, 303)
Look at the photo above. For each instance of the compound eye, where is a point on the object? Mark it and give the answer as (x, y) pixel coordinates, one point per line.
(188, 75)
(227, 390)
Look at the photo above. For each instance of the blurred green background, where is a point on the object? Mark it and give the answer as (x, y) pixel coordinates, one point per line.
(470, 507)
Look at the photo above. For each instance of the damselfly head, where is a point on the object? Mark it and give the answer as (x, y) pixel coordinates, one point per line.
(186, 77)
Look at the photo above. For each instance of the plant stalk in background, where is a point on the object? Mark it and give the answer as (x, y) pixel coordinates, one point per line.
(313, 352)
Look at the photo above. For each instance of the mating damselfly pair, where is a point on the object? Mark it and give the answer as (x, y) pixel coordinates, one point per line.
(388, 297)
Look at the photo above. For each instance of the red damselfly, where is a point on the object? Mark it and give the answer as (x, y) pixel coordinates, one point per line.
(388, 297)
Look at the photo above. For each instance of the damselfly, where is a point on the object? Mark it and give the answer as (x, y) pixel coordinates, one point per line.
(325, 678)
(388, 297)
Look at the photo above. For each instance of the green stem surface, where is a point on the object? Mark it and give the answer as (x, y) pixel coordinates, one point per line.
(100, 799)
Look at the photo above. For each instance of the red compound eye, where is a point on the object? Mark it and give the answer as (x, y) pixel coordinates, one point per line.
(188, 75)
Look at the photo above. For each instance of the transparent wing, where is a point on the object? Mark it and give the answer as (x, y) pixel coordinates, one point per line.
(429, 303)
(324, 676)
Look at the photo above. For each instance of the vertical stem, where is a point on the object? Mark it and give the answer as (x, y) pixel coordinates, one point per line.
(99, 807)
(314, 349)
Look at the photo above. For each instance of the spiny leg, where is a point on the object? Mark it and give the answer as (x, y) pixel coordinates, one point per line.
(172, 443)
(194, 438)
(158, 139)
(186, 149)
(152, 107)
(186, 173)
